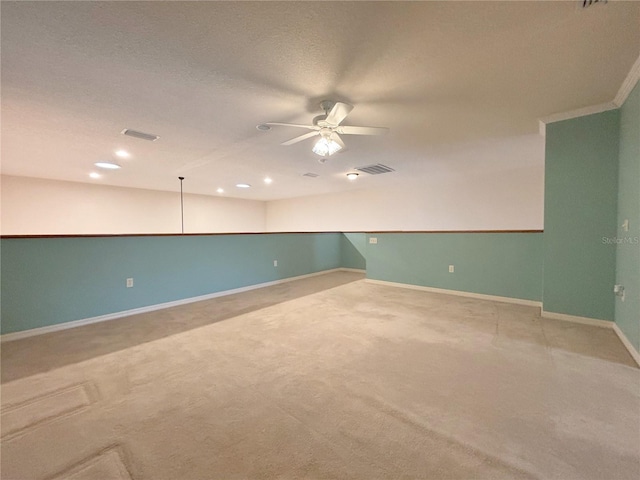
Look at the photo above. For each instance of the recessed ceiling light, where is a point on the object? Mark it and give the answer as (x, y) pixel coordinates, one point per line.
(220, 190)
(243, 185)
(122, 153)
(107, 165)
(352, 176)
(263, 127)
(94, 175)
(267, 180)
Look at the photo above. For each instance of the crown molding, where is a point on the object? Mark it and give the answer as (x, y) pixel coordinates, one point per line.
(628, 84)
(542, 128)
(579, 112)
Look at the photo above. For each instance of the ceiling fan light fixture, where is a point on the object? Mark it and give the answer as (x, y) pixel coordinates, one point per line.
(326, 146)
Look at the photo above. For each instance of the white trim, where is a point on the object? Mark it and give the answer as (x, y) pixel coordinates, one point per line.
(112, 316)
(8, 337)
(596, 322)
(354, 270)
(625, 341)
(459, 293)
(552, 315)
(580, 112)
(628, 84)
(542, 128)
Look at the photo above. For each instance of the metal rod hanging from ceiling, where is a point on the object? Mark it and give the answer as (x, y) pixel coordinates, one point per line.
(181, 204)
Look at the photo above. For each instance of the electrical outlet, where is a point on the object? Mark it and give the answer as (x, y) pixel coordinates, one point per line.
(275, 263)
(373, 240)
(451, 268)
(129, 282)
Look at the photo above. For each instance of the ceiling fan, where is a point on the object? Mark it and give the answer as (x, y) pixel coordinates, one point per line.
(328, 127)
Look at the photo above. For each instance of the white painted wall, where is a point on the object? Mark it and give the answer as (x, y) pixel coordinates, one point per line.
(33, 206)
(491, 184)
(488, 184)
(512, 200)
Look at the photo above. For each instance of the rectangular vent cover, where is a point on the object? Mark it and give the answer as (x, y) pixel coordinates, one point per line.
(141, 135)
(375, 169)
(311, 174)
(587, 3)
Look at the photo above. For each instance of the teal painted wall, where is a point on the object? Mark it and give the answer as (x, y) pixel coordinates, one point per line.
(47, 281)
(627, 313)
(580, 204)
(353, 250)
(503, 264)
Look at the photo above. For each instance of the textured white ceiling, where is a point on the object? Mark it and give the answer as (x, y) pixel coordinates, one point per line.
(202, 75)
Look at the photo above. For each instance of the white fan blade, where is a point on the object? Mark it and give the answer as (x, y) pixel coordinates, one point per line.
(336, 138)
(338, 113)
(310, 127)
(348, 130)
(300, 138)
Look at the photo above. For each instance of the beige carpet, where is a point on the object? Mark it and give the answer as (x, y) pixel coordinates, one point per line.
(323, 378)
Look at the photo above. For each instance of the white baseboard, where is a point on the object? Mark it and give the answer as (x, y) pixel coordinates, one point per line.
(595, 322)
(625, 341)
(555, 316)
(479, 296)
(112, 316)
(7, 337)
(355, 270)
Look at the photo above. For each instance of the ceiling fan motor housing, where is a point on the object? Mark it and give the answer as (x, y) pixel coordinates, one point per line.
(326, 132)
(320, 120)
(329, 128)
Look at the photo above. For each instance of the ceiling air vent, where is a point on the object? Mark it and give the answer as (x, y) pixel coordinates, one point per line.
(587, 3)
(375, 169)
(310, 174)
(141, 135)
